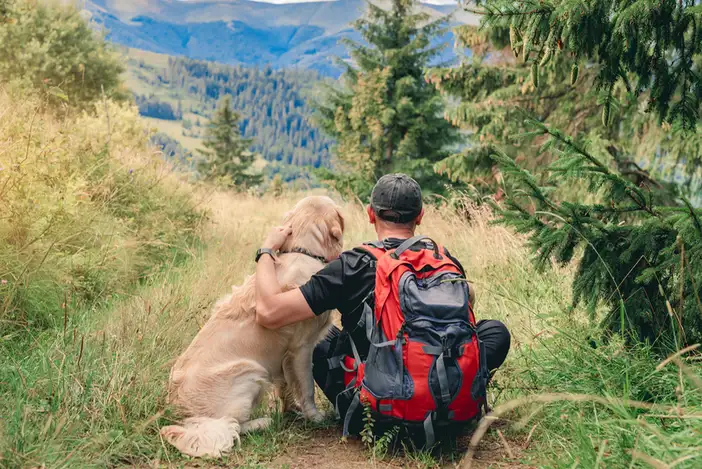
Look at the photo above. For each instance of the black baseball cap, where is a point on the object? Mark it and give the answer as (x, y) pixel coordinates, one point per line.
(397, 198)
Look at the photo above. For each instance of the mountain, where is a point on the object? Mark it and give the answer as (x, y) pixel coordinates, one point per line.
(242, 32)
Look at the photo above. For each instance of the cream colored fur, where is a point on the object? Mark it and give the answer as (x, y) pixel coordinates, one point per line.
(222, 375)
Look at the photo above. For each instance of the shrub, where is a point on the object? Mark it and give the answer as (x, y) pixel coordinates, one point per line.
(52, 48)
(87, 210)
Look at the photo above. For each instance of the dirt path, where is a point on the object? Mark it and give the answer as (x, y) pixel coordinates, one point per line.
(325, 450)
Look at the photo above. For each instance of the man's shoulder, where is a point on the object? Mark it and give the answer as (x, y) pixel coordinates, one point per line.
(358, 255)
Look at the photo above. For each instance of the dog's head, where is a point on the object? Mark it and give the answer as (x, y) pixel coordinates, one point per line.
(317, 226)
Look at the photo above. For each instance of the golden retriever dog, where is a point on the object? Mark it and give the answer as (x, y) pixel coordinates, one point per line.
(222, 375)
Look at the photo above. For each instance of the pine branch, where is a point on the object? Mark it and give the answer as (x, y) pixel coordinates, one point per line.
(693, 215)
(632, 192)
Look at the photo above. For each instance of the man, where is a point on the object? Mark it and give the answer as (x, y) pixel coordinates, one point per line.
(347, 284)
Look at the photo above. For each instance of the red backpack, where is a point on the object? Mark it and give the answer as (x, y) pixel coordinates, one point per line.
(425, 364)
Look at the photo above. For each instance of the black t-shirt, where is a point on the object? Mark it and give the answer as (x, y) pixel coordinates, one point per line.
(344, 284)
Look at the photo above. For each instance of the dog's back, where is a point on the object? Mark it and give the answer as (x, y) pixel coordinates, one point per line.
(232, 333)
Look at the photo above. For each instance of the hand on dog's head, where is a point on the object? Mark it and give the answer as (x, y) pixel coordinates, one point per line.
(317, 226)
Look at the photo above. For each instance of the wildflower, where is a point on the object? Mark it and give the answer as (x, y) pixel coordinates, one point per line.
(131, 171)
(3, 282)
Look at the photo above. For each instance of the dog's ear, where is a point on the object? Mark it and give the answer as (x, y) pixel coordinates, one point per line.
(337, 231)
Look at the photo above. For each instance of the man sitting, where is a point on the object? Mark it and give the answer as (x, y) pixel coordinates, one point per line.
(348, 284)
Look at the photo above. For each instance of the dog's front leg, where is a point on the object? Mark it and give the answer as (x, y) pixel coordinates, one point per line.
(286, 387)
(301, 371)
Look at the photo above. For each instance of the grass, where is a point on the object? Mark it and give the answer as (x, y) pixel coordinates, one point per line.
(111, 267)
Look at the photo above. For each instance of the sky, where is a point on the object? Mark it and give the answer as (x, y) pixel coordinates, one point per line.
(433, 2)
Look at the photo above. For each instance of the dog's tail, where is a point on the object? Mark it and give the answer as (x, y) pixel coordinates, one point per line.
(203, 436)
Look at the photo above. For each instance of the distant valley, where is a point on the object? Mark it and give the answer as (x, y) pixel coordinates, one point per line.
(269, 57)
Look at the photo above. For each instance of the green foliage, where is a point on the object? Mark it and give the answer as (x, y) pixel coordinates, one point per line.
(649, 46)
(493, 88)
(227, 159)
(388, 118)
(642, 248)
(490, 93)
(52, 48)
(367, 436)
(379, 446)
(90, 220)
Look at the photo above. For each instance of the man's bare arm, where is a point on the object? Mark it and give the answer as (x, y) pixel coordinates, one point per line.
(274, 307)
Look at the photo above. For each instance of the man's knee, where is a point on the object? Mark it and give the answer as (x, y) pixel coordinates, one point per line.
(325, 347)
(496, 339)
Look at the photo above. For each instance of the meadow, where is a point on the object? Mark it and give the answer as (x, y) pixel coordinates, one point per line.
(110, 262)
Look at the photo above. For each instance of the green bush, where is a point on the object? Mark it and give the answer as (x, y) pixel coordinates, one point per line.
(52, 48)
(86, 214)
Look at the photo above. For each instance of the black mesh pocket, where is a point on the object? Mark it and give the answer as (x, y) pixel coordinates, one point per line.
(384, 372)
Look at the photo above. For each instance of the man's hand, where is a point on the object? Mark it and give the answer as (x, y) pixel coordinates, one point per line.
(275, 308)
(277, 237)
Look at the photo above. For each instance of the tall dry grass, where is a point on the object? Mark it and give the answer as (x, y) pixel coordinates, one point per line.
(88, 214)
(93, 394)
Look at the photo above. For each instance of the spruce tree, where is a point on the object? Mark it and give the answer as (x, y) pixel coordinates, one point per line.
(227, 159)
(558, 83)
(650, 46)
(623, 80)
(387, 118)
(639, 252)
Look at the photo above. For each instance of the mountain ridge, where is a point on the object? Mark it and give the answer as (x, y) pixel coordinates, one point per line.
(243, 32)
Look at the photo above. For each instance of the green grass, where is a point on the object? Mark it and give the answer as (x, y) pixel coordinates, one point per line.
(110, 269)
(90, 217)
(594, 404)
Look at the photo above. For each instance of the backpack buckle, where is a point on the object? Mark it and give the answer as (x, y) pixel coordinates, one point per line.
(447, 351)
(401, 335)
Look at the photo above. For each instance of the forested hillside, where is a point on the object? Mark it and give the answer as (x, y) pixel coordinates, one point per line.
(274, 105)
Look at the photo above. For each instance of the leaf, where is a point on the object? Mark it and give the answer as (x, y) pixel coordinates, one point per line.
(535, 74)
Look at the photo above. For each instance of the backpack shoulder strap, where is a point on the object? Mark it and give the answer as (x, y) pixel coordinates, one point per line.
(411, 242)
(375, 248)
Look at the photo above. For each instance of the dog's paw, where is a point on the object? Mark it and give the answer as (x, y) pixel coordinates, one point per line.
(172, 433)
(203, 436)
(236, 432)
(314, 416)
(256, 425)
